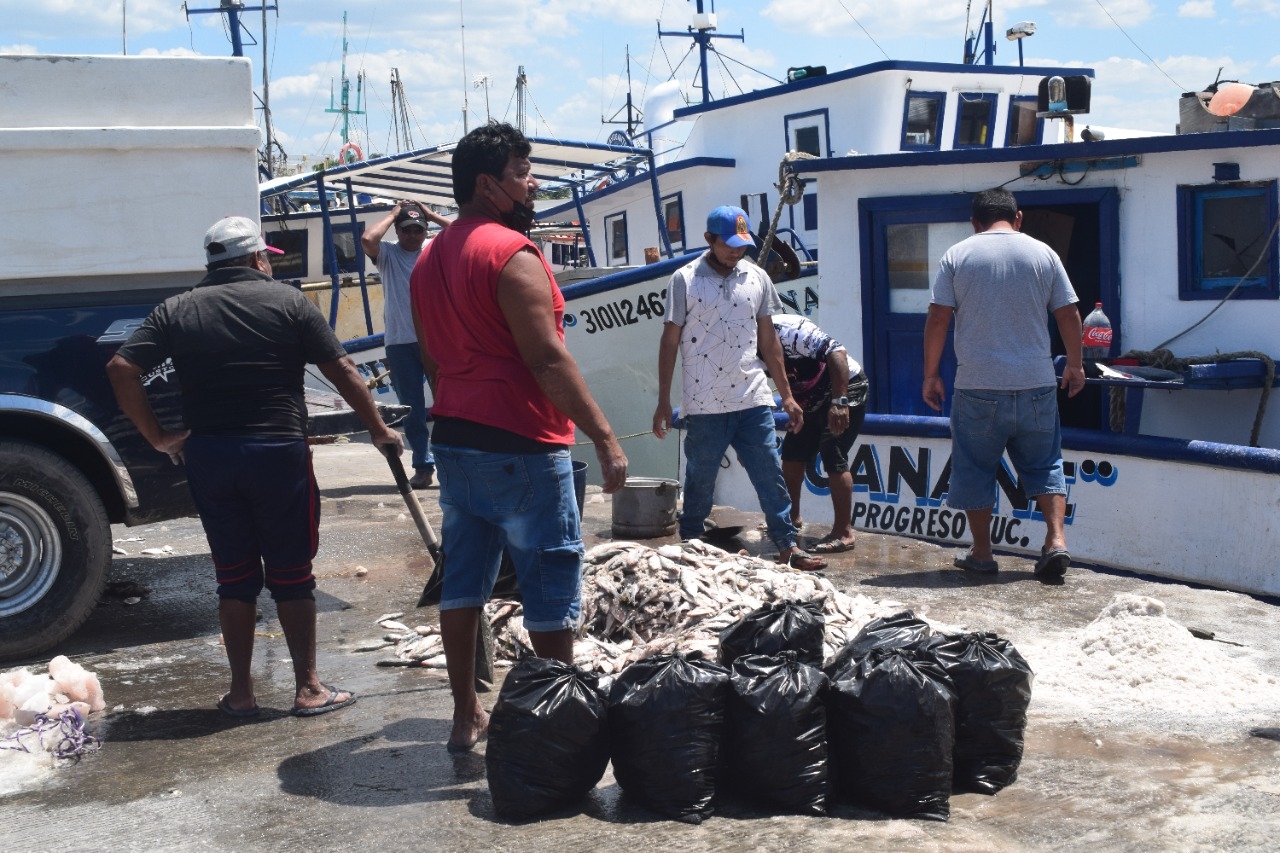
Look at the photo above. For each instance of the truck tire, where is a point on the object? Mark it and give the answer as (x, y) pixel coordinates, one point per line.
(55, 548)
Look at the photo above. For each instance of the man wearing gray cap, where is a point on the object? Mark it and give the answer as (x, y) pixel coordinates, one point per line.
(239, 343)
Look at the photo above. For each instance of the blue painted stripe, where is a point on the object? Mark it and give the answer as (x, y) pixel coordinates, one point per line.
(662, 269)
(874, 68)
(692, 162)
(1262, 460)
(1057, 151)
(369, 342)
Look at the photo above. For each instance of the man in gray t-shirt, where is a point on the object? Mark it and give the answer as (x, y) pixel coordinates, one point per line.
(1001, 286)
(395, 260)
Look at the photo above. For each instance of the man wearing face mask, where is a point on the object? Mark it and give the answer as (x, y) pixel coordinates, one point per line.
(489, 317)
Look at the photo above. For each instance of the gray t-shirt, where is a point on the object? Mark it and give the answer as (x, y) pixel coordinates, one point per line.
(395, 265)
(1003, 285)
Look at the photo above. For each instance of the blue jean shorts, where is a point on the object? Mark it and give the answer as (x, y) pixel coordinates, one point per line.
(984, 424)
(523, 502)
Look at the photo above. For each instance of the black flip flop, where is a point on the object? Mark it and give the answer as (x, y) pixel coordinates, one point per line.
(329, 705)
(237, 713)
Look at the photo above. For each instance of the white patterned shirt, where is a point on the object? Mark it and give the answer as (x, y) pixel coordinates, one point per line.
(717, 314)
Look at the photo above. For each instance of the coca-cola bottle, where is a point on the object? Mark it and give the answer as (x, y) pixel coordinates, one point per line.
(1096, 342)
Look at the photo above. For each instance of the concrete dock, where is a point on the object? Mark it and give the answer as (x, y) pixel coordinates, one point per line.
(1123, 751)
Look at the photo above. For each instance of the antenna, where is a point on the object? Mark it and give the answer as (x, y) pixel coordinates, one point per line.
(400, 113)
(465, 108)
(701, 33)
(634, 116)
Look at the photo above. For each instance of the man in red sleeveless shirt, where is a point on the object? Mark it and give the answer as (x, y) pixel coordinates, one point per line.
(489, 317)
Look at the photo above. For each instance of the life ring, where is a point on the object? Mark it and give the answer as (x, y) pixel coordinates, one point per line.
(350, 146)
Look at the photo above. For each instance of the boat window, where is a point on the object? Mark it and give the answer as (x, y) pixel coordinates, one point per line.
(922, 120)
(977, 113)
(673, 215)
(346, 245)
(810, 219)
(615, 229)
(293, 263)
(1023, 127)
(1226, 235)
(809, 132)
(913, 251)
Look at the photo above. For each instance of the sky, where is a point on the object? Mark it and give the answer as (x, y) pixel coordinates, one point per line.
(452, 53)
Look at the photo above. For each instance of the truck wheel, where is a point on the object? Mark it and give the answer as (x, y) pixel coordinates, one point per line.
(55, 547)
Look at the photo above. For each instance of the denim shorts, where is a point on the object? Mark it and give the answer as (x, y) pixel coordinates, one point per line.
(984, 424)
(523, 502)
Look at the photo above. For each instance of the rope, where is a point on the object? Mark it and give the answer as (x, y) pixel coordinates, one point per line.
(790, 191)
(1166, 360)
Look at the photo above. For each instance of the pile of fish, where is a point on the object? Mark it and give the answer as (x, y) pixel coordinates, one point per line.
(639, 601)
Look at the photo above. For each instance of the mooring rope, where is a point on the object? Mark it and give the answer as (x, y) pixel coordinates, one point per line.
(1166, 360)
(790, 191)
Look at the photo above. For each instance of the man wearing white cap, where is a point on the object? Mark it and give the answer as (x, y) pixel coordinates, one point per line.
(717, 319)
(239, 342)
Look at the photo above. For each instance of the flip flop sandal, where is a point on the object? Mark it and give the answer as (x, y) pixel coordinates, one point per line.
(832, 546)
(1053, 564)
(803, 561)
(330, 704)
(239, 713)
(967, 562)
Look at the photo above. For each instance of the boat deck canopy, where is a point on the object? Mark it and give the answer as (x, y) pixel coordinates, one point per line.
(425, 175)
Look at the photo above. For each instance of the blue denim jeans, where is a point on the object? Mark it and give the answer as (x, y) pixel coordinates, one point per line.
(984, 424)
(751, 433)
(407, 378)
(525, 503)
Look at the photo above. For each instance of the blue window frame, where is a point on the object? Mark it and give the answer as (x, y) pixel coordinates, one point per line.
(975, 120)
(673, 215)
(1023, 127)
(346, 244)
(922, 120)
(1226, 237)
(615, 235)
(809, 132)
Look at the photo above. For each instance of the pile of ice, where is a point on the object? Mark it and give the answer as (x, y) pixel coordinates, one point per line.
(1134, 664)
(42, 719)
(25, 695)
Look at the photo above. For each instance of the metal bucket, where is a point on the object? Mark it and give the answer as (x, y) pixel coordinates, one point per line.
(645, 508)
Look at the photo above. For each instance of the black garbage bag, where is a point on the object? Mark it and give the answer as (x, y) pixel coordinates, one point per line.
(776, 733)
(891, 729)
(993, 689)
(888, 632)
(666, 722)
(548, 738)
(778, 626)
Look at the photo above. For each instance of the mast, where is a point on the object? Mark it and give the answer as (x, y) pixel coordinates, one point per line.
(400, 113)
(233, 9)
(346, 110)
(702, 32)
(521, 82)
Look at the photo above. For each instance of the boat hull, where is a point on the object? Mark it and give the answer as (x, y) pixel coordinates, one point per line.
(1189, 511)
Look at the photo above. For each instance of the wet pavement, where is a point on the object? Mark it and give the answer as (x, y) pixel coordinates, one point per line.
(174, 774)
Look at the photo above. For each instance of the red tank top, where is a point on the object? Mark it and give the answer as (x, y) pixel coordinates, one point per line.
(481, 377)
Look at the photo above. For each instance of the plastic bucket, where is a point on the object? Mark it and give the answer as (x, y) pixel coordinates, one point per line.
(645, 508)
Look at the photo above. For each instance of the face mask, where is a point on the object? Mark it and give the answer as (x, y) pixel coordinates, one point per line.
(520, 217)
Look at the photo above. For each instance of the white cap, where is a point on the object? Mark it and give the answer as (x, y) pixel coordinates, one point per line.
(234, 237)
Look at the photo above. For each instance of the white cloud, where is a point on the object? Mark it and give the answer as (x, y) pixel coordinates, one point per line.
(1126, 13)
(1268, 7)
(18, 48)
(1197, 9)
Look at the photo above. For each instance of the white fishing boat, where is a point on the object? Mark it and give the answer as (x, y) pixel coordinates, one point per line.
(1174, 234)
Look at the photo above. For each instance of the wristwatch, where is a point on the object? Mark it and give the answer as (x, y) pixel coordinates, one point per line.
(843, 402)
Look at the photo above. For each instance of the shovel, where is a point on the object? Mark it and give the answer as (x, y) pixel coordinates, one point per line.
(415, 508)
(484, 639)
